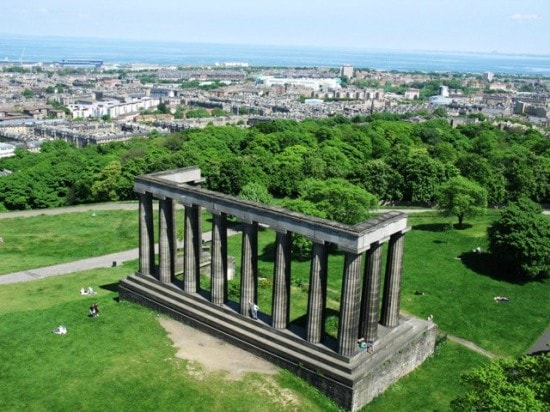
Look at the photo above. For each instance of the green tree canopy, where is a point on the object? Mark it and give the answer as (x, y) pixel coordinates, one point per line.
(461, 197)
(520, 240)
(339, 199)
(507, 385)
(301, 246)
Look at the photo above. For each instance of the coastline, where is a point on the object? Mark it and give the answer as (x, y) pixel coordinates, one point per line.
(25, 49)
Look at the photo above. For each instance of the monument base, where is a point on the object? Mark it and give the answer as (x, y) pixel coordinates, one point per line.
(351, 382)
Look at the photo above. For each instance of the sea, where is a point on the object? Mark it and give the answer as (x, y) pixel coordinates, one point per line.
(47, 49)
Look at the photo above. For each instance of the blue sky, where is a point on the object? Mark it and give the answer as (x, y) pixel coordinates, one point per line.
(506, 26)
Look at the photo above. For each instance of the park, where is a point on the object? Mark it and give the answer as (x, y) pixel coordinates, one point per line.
(336, 169)
(134, 359)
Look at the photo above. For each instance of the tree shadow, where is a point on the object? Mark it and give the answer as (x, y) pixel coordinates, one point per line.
(268, 254)
(432, 227)
(464, 226)
(484, 263)
(441, 227)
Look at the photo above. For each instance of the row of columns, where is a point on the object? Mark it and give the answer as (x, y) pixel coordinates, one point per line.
(359, 303)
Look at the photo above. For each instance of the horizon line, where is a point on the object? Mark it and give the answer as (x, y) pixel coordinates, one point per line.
(274, 45)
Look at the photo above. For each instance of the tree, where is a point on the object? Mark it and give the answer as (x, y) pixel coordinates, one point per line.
(163, 108)
(301, 246)
(288, 170)
(218, 112)
(339, 199)
(514, 385)
(256, 192)
(197, 113)
(233, 173)
(421, 175)
(461, 197)
(478, 169)
(377, 177)
(107, 183)
(520, 240)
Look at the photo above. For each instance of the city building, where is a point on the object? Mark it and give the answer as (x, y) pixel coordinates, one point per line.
(346, 71)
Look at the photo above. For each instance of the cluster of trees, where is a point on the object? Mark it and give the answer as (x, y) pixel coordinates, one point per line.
(393, 160)
(335, 168)
(188, 113)
(508, 385)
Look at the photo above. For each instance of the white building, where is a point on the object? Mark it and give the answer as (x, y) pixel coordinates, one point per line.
(346, 71)
(315, 84)
(412, 94)
(113, 108)
(488, 76)
(7, 150)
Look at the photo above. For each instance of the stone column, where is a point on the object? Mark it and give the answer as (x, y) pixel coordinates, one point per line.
(371, 293)
(192, 249)
(146, 235)
(218, 273)
(392, 281)
(167, 240)
(249, 267)
(350, 305)
(317, 293)
(280, 307)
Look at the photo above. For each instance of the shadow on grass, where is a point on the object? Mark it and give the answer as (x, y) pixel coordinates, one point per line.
(113, 287)
(441, 227)
(268, 254)
(484, 264)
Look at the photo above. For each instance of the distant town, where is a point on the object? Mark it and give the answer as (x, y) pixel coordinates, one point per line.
(89, 102)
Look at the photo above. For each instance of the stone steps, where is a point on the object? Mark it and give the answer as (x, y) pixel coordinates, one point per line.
(222, 321)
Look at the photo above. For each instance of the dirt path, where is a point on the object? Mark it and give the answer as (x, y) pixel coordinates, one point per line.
(213, 354)
(472, 346)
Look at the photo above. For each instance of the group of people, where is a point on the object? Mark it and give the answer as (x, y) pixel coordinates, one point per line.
(93, 311)
(365, 344)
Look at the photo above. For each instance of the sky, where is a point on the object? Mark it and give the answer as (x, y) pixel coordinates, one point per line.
(504, 26)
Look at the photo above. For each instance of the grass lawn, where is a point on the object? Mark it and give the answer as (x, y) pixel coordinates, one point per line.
(459, 293)
(433, 385)
(39, 241)
(124, 360)
(121, 360)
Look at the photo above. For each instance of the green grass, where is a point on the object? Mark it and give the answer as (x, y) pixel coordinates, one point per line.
(46, 240)
(459, 292)
(433, 386)
(123, 359)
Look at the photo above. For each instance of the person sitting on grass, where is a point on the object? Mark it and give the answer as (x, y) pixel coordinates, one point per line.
(94, 310)
(88, 291)
(60, 330)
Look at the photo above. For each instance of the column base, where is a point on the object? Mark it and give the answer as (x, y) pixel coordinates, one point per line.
(351, 382)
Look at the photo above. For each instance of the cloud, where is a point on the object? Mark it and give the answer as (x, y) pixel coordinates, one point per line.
(525, 17)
